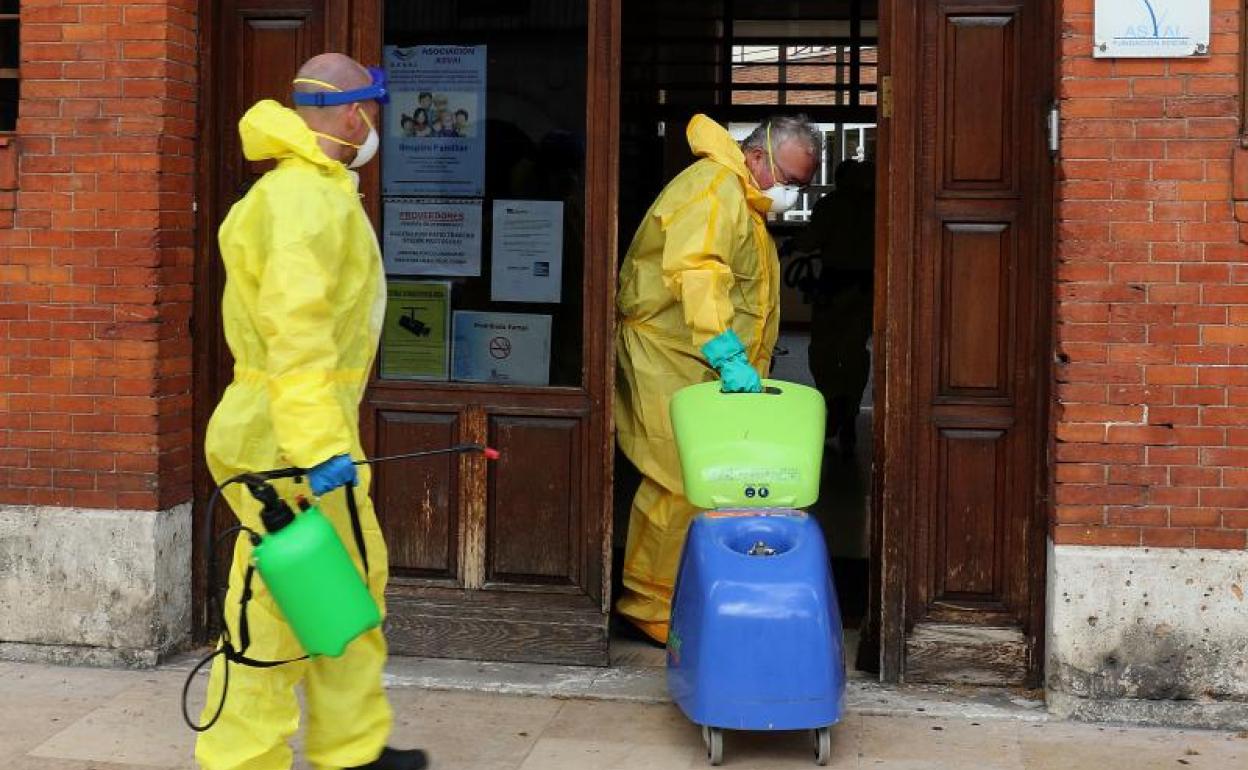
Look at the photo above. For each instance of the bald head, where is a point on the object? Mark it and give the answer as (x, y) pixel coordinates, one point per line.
(335, 68)
(338, 70)
(341, 129)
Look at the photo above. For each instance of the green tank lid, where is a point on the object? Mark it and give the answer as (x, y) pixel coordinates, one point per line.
(750, 450)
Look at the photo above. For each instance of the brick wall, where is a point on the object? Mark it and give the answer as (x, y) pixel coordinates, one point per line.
(96, 267)
(1151, 420)
(765, 74)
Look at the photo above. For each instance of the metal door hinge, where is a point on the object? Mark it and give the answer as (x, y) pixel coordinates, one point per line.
(1054, 122)
(886, 96)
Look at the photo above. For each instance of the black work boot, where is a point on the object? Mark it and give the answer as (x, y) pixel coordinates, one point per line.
(397, 759)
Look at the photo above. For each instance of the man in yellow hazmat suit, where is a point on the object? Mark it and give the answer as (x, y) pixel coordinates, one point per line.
(699, 299)
(302, 309)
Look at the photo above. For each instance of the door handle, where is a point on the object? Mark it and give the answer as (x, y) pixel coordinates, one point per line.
(1053, 122)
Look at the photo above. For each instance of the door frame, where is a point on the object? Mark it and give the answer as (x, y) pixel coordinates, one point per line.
(204, 341)
(895, 494)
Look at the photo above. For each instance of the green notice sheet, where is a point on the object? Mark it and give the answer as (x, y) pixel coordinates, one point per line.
(415, 341)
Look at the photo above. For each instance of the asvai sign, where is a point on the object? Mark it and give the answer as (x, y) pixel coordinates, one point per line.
(1151, 28)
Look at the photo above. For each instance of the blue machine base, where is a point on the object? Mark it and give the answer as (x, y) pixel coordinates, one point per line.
(756, 640)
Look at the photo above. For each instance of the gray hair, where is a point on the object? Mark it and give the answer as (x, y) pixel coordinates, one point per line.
(786, 128)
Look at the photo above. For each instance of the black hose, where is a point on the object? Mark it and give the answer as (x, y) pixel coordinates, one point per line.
(213, 597)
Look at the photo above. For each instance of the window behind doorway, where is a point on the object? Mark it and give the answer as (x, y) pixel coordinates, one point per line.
(742, 61)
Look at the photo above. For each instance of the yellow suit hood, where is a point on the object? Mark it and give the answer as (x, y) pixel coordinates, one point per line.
(272, 132)
(710, 140)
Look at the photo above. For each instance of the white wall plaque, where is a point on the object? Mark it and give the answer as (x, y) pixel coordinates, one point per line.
(1151, 28)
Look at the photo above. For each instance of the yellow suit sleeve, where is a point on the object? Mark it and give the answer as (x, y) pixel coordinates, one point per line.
(295, 318)
(698, 243)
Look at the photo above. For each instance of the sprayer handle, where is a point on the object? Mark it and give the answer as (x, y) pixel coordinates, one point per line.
(285, 473)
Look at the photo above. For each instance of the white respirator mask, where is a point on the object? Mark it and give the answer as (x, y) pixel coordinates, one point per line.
(783, 197)
(367, 151)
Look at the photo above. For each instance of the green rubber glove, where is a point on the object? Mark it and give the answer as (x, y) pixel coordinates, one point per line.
(727, 355)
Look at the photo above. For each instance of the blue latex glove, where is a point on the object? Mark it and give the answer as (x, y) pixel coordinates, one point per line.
(727, 355)
(331, 474)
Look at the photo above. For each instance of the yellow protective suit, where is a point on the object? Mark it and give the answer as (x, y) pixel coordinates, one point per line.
(303, 308)
(701, 262)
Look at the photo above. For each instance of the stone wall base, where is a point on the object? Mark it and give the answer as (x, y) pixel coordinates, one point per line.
(1148, 635)
(99, 587)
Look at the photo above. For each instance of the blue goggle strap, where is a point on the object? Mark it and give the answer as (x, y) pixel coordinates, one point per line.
(334, 96)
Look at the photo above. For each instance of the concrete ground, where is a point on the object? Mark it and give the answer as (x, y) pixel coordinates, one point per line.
(562, 718)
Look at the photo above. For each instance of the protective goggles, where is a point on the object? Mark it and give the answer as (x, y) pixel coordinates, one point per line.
(334, 96)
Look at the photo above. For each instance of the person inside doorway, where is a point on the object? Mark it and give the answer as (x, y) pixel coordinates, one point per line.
(302, 311)
(698, 300)
(842, 234)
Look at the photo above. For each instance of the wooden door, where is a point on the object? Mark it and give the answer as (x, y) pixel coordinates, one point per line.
(509, 561)
(966, 333)
(250, 50)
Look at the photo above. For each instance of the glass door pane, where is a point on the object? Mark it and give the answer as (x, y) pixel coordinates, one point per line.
(483, 159)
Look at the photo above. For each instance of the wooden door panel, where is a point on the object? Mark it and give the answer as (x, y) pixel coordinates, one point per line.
(418, 500)
(274, 39)
(283, 44)
(971, 473)
(978, 56)
(534, 500)
(976, 275)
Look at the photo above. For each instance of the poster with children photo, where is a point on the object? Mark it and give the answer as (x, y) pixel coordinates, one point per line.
(435, 121)
(427, 115)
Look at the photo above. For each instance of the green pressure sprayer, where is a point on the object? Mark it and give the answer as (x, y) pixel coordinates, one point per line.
(305, 566)
(313, 580)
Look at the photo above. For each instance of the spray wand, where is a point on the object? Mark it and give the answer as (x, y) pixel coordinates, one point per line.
(289, 573)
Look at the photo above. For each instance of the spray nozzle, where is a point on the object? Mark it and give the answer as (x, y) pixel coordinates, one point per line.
(276, 514)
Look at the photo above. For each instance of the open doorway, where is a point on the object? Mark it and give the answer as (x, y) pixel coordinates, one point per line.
(741, 62)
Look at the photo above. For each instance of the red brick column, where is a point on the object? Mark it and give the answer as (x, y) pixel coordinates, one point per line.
(1151, 414)
(96, 269)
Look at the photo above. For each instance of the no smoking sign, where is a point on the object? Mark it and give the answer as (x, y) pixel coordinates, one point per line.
(510, 348)
(500, 348)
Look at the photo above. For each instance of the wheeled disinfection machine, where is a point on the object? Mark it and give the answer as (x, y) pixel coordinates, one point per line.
(755, 640)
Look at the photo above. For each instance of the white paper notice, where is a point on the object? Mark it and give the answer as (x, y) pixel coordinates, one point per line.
(511, 348)
(527, 261)
(433, 236)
